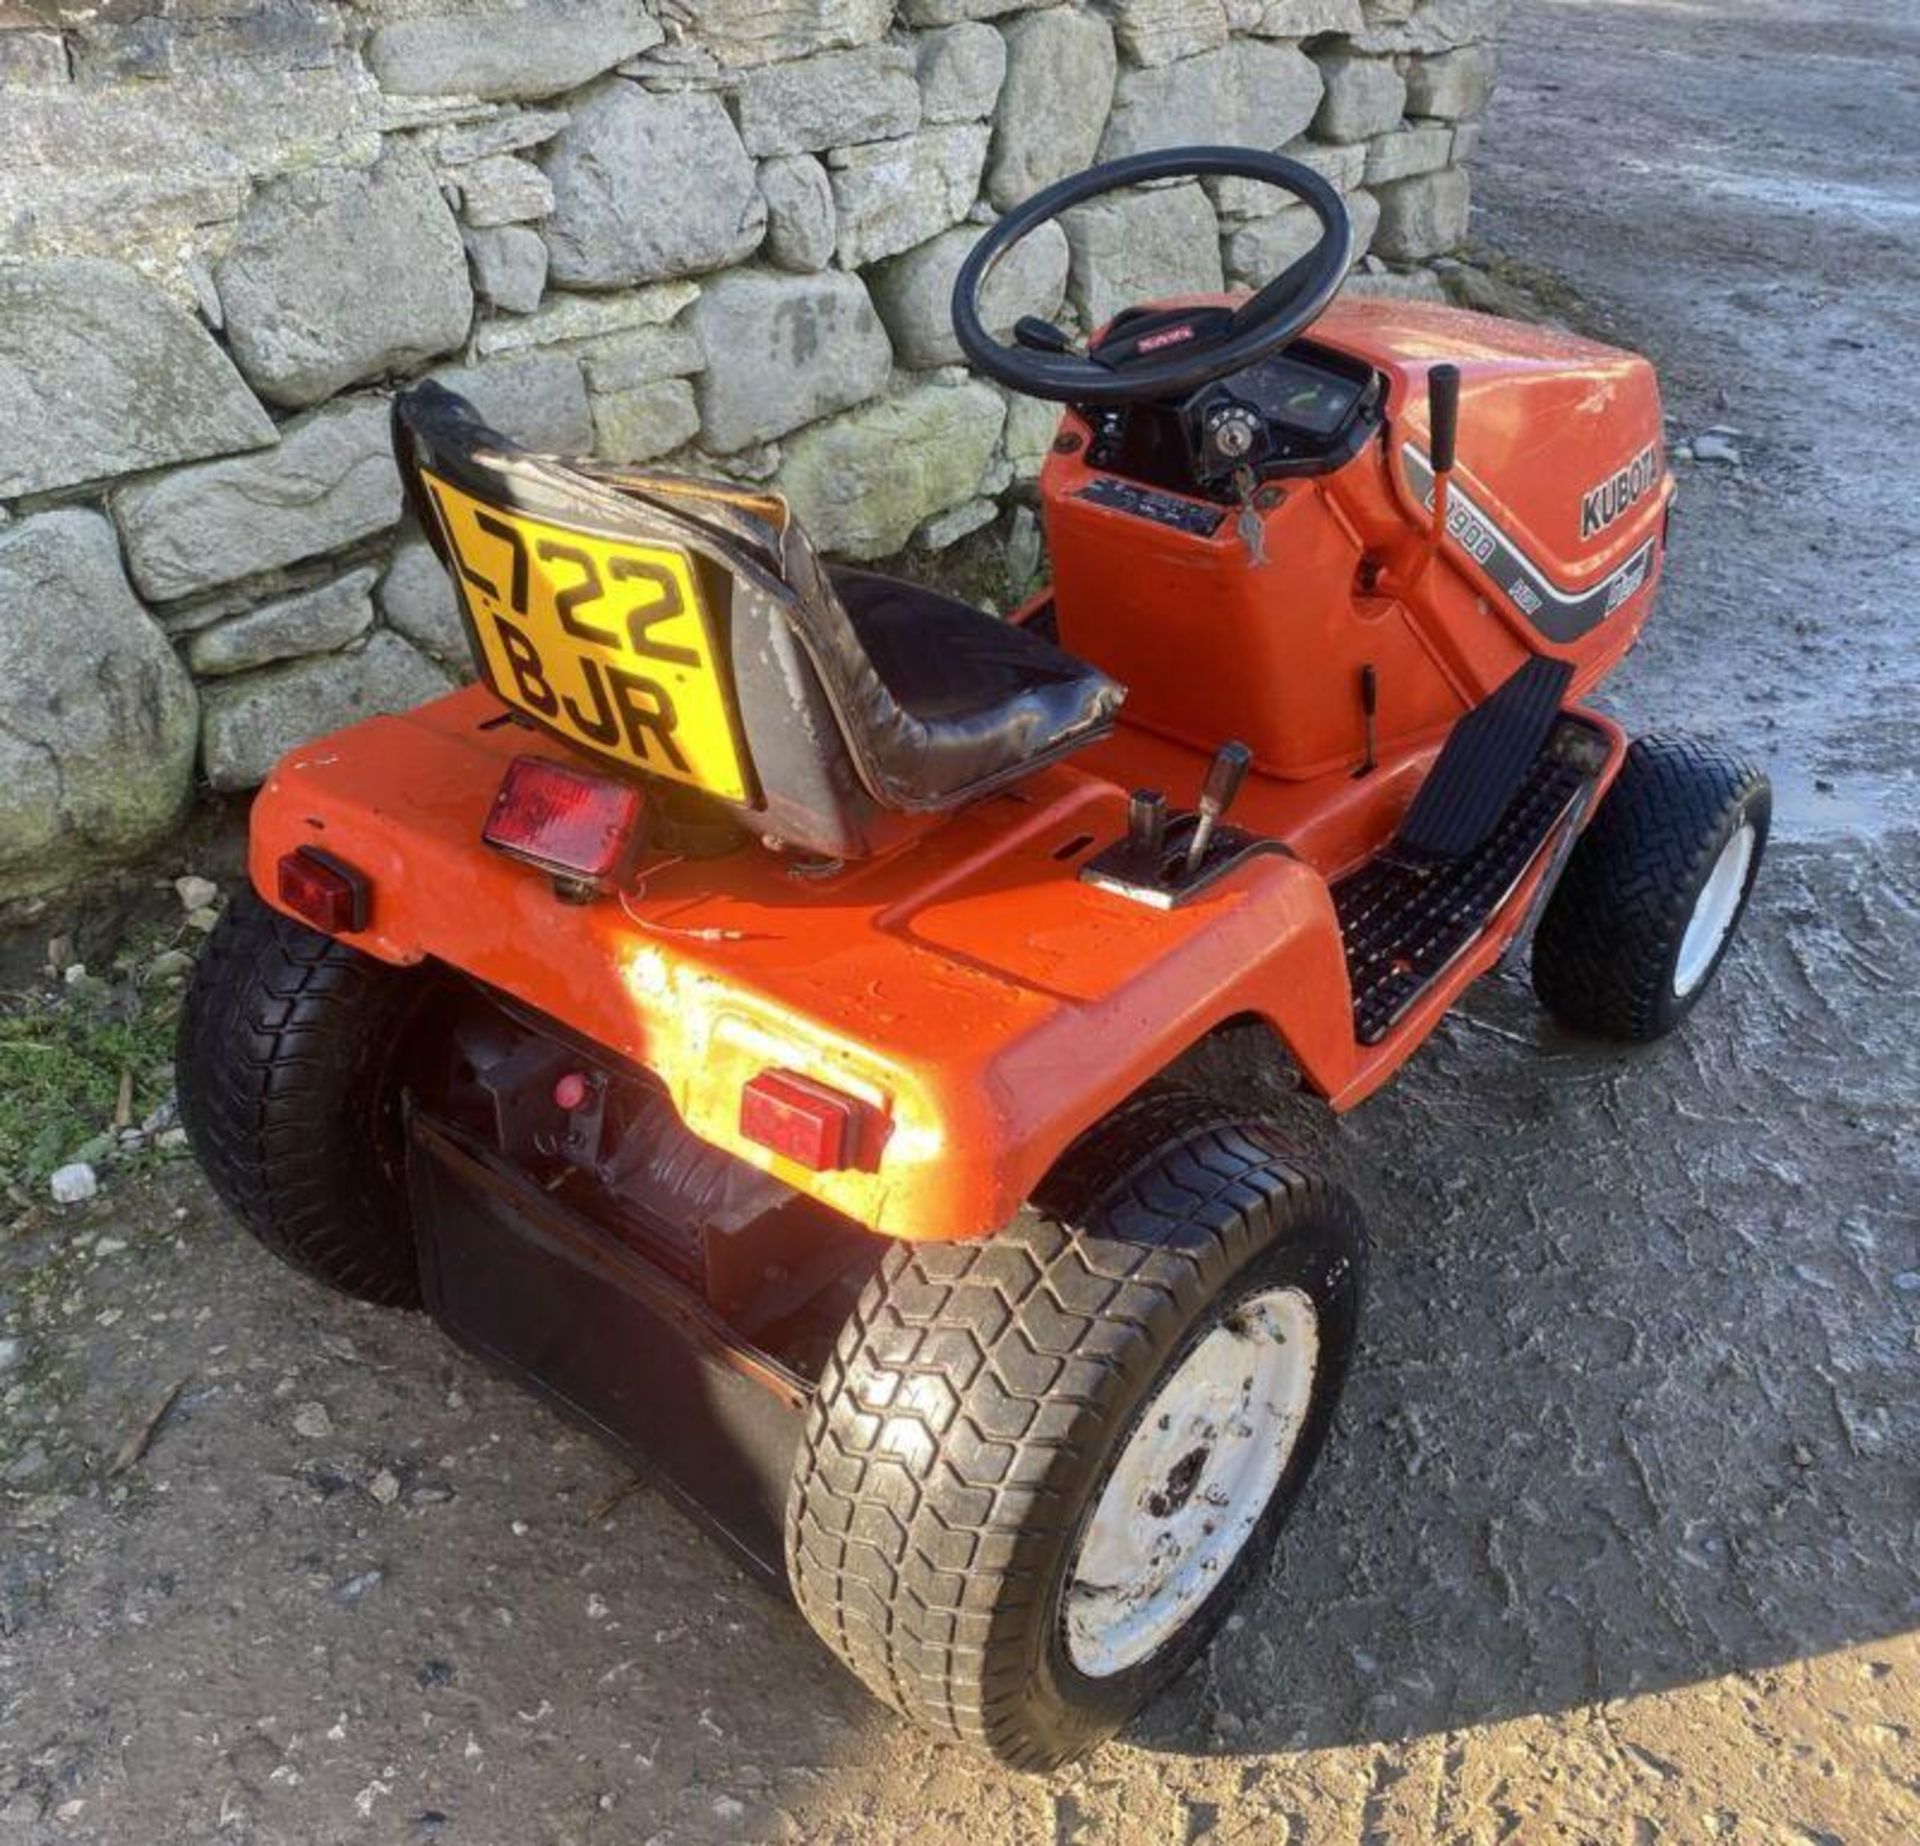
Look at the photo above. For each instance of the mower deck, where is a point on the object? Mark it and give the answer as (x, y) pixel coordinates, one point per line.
(984, 1002)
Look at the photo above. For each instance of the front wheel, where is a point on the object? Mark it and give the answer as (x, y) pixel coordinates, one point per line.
(1040, 1467)
(1653, 892)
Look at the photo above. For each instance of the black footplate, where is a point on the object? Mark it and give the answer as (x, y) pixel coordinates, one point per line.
(1487, 757)
(1404, 919)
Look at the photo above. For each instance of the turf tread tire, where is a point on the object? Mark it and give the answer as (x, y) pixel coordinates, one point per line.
(1608, 940)
(974, 1386)
(284, 1055)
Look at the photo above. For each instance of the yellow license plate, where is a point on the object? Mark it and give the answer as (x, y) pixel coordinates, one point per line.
(602, 640)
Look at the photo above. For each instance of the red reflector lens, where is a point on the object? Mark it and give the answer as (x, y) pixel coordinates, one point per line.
(564, 820)
(806, 1121)
(326, 891)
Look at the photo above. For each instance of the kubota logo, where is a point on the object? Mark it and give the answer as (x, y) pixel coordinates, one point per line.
(1601, 506)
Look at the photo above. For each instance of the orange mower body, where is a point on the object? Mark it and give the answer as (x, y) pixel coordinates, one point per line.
(774, 1014)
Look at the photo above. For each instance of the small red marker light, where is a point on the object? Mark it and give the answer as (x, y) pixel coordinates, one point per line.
(808, 1122)
(568, 822)
(325, 891)
(570, 1091)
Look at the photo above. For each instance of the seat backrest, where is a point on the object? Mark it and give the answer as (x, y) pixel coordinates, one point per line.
(676, 629)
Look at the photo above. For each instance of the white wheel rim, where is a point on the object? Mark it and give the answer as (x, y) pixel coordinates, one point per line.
(1197, 1472)
(1714, 911)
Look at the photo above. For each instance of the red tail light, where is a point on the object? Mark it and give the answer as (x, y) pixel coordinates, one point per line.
(569, 822)
(806, 1121)
(326, 891)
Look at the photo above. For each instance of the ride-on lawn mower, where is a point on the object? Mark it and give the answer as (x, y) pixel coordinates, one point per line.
(761, 1014)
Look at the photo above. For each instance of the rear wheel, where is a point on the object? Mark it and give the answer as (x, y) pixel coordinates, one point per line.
(288, 1059)
(1039, 1467)
(1653, 892)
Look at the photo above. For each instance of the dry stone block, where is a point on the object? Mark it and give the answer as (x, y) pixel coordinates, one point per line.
(98, 722)
(1053, 104)
(642, 421)
(1257, 251)
(1247, 94)
(862, 482)
(743, 33)
(102, 374)
(951, 12)
(338, 275)
(1451, 85)
(832, 100)
(1421, 217)
(648, 187)
(949, 528)
(914, 292)
(1364, 209)
(1396, 285)
(503, 189)
(1307, 18)
(640, 358)
(510, 132)
(960, 70)
(418, 601)
(1032, 423)
(1407, 151)
(249, 723)
(563, 319)
(1260, 249)
(1158, 31)
(539, 399)
(801, 226)
(892, 195)
(509, 266)
(1342, 167)
(314, 622)
(783, 350)
(33, 60)
(1139, 247)
(1365, 97)
(1434, 25)
(330, 481)
(537, 48)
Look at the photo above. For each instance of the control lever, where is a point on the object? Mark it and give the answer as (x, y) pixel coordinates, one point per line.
(1147, 829)
(1443, 424)
(1040, 336)
(1224, 776)
(1370, 718)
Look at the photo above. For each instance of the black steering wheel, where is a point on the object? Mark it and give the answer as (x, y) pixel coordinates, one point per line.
(1213, 344)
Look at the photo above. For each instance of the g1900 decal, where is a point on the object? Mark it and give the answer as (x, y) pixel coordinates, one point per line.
(1601, 506)
(1558, 614)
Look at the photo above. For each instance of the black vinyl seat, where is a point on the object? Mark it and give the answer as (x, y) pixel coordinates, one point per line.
(858, 696)
(982, 691)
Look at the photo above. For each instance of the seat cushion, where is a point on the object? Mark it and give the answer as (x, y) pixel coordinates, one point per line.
(985, 698)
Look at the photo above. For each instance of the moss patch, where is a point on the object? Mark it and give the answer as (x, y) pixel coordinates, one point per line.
(82, 1059)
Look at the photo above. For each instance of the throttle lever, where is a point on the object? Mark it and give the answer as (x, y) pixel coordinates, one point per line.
(1225, 774)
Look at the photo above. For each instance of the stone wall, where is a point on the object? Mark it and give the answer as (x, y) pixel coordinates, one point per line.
(717, 233)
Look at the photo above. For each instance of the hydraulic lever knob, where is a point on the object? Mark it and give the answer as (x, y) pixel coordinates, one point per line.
(1443, 414)
(1147, 828)
(1225, 774)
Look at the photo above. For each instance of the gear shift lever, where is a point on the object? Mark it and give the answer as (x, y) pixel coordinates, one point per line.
(1224, 777)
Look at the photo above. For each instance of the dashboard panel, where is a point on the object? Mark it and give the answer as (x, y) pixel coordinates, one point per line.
(1306, 410)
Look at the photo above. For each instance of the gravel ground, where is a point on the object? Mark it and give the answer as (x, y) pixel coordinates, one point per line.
(1617, 1540)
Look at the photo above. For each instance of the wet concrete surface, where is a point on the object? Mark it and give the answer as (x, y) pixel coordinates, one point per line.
(1617, 1539)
